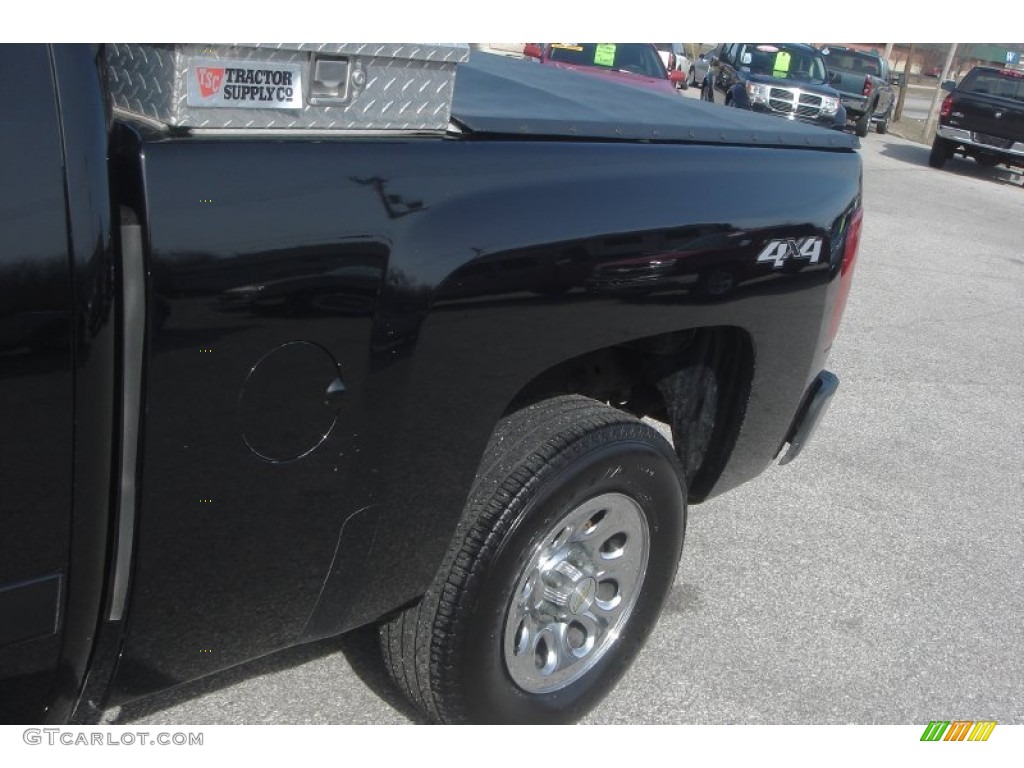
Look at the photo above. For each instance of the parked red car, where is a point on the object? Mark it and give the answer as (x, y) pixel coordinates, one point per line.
(631, 63)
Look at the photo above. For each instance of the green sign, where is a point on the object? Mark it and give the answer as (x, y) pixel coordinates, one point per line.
(604, 54)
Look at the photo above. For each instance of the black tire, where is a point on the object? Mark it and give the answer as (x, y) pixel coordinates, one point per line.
(718, 283)
(863, 124)
(882, 126)
(544, 465)
(942, 150)
(691, 78)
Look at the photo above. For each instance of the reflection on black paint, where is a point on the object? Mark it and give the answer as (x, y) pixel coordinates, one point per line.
(702, 262)
(396, 205)
(340, 280)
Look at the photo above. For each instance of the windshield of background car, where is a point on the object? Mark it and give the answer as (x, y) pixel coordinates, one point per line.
(1008, 85)
(781, 61)
(640, 59)
(852, 61)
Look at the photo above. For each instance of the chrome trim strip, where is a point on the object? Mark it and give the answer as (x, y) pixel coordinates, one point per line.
(133, 292)
(965, 137)
(954, 134)
(322, 133)
(452, 128)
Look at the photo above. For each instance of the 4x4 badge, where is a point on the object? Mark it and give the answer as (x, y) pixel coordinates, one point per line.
(777, 251)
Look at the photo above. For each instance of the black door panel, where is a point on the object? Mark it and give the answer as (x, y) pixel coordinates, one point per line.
(36, 386)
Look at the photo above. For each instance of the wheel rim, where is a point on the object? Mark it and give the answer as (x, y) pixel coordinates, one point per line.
(576, 593)
(719, 283)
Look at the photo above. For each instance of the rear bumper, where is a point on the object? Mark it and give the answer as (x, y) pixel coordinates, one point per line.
(855, 105)
(815, 403)
(974, 140)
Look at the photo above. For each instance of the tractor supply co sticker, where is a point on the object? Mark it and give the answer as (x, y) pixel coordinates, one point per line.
(567, 46)
(604, 54)
(777, 251)
(244, 85)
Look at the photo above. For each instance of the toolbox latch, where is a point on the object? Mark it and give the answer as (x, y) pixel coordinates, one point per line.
(335, 80)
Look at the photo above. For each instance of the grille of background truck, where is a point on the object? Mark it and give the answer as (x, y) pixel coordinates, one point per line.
(787, 101)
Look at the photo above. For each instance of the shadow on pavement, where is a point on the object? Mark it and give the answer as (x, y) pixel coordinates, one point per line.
(917, 154)
(359, 647)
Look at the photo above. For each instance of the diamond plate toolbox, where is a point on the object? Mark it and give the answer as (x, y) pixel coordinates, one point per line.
(310, 86)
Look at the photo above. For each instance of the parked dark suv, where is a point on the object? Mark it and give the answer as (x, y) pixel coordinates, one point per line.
(785, 79)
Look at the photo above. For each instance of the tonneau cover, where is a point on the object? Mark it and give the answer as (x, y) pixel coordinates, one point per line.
(498, 94)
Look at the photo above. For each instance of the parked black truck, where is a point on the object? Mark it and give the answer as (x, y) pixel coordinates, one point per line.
(865, 85)
(788, 80)
(982, 117)
(261, 386)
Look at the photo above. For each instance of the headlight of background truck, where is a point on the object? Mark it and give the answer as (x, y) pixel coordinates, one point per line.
(757, 93)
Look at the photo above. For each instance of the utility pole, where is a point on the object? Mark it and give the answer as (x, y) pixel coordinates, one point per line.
(903, 88)
(933, 113)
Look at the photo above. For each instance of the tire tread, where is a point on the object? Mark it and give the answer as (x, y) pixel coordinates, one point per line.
(419, 645)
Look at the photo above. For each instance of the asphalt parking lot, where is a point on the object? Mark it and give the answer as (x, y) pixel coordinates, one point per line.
(877, 579)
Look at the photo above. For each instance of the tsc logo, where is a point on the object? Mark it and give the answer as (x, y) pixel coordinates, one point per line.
(777, 251)
(210, 79)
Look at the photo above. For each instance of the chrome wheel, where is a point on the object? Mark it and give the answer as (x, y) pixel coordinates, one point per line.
(576, 593)
(719, 282)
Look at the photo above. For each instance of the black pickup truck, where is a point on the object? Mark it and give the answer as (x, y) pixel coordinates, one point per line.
(983, 118)
(865, 85)
(264, 386)
(788, 80)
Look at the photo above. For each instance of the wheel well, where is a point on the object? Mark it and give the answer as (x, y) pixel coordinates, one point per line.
(697, 381)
